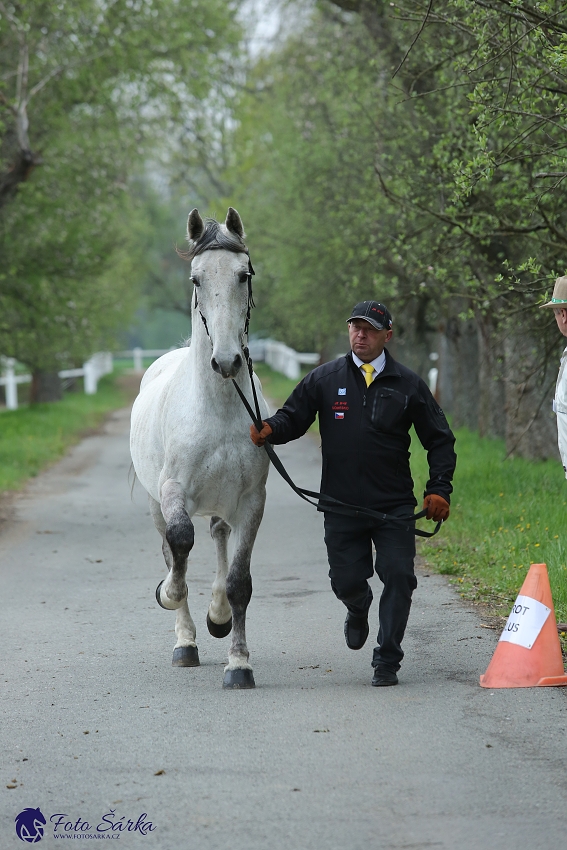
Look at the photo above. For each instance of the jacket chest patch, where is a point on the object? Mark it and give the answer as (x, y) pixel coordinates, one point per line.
(339, 408)
(341, 391)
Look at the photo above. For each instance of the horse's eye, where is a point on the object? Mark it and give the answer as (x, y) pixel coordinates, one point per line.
(243, 277)
(194, 280)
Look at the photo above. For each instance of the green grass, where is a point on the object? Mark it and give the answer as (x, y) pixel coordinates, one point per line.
(275, 386)
(123, 363)
(505, 515)
(33, 437)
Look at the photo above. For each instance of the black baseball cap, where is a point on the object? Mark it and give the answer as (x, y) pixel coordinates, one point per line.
(372, 311)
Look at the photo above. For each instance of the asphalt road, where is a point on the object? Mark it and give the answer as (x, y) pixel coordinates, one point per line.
(98, 728)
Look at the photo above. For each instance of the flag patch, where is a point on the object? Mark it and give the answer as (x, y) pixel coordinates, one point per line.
(339, 415)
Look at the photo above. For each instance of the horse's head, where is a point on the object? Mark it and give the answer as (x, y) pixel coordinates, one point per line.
(220, 271)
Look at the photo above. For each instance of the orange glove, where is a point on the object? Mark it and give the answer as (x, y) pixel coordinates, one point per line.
(259, 437)
(436, 506)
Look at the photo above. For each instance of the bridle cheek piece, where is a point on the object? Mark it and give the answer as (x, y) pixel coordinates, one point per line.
(250, 304)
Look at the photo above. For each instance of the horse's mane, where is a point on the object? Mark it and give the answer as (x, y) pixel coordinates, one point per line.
(213, 237)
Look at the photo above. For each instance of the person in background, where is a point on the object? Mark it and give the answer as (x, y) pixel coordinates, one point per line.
(559, 305)
(367, 402)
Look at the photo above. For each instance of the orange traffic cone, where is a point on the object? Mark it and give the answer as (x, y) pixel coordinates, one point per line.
(516, 666)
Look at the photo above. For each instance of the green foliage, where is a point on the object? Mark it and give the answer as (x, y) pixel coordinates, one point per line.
(303, 175)
(406, 164)
(163, 275)
(89, 92)
(33, 437)
(505, 515)
(68, 283)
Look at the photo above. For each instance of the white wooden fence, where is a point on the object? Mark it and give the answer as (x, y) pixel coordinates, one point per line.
(137, 355)
(276, 354)
(279, 356)
(98, 365)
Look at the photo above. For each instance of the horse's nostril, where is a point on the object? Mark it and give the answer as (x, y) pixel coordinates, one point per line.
(227, 368)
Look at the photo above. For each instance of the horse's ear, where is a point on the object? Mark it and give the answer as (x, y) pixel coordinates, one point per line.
(234, 222)
(195, 225)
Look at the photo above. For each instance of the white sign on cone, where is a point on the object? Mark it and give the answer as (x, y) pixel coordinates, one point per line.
(525, 622)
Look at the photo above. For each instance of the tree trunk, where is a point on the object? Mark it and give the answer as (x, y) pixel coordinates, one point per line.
(414, 338)
(491, 402)
(459, 369)
(531, 430)
(45, 386)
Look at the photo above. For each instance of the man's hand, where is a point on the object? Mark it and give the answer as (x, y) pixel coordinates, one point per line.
(259, 437)
(436, 506)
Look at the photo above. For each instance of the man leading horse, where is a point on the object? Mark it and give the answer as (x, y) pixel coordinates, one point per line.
(367, 402)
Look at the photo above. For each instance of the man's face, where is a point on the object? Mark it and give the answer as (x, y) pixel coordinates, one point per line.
(561, 319)
(366, 342)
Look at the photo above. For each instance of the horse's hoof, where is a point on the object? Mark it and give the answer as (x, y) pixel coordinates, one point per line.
(185, 656)
(166, 603)
(219, 630)
(240, 678)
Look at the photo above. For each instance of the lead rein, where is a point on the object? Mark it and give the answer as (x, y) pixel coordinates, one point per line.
(330, 504)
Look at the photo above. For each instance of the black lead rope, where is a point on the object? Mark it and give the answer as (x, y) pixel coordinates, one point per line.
(325, 503)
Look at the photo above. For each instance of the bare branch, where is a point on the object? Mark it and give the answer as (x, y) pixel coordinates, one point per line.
(420, 30)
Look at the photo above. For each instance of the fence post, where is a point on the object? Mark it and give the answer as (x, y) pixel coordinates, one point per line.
(138, 359)
(432, 376)
(90, 377)
(11, 385)
(108, 362)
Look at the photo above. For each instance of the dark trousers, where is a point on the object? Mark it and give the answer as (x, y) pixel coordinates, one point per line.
(349, 549)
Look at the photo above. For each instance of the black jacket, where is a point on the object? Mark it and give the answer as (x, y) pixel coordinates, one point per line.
(365, 432)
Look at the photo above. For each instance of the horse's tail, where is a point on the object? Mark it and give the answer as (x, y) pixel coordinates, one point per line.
(132, 472)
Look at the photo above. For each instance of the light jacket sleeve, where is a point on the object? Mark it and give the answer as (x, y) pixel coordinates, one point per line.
(560, 407)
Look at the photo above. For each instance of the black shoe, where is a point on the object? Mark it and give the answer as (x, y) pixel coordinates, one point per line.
(383, 677)
(356, 631)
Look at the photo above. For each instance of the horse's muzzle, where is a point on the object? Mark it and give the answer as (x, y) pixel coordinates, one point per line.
(226, 368)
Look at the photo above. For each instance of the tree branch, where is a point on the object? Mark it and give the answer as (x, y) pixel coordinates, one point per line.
(420, 30)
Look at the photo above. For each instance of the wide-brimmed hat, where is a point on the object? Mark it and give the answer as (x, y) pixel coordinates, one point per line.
(372, 311)
(559, 297)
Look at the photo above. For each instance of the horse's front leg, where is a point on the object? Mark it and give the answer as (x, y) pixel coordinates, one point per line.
(178, 536)
(238, 672)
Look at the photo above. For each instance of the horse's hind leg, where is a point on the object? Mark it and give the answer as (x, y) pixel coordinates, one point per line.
(219, 617)
(173, 523)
